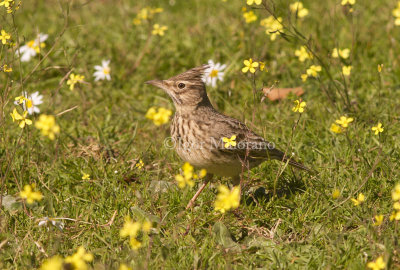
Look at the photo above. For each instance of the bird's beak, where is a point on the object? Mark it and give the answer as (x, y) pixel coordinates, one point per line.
(157, 83)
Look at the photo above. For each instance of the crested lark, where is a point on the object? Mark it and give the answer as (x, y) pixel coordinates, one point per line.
(197, 130)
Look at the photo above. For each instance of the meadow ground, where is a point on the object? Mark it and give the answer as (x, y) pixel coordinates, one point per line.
(108, 161)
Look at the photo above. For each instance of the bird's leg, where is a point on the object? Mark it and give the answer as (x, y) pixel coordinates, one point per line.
(206, 180)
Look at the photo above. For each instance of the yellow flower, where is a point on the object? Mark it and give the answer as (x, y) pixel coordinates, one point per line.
(335, 128)
(313, 70)
(4, 36)
(30, 195)
(74, 79)
(344, 121)
(6, 3)
(360, 199)
(187, 168)
(396, 14)
(146, 226)
(378, 220)
(9, 8)
(229, 141)
(22, 99)
(159, 30)
(262, 66)
(299, 107)
(183, 181)
(396, 206)
(202, 173)
(348, 2)
(379, 264)
(130, 228)
(297, 7)
(21, 118)
(186, 178)
(345, 53)
(377, 129)
(396, 193)
(346, 70)
(162, 117)
(303, 54)
(159, 117)
(47, 125)
(335, 194)
(227, 199)
(304, 77)
(136, 21)
(273, 27)
(139, 164)
(156, 10)
(54, 263)
(124, 267)
(135, 244)
(7, 68)
(86, 176)
(79, 259)
(150, 113)
(249, 66)
(257, 2)
(249, 16)
(146, 14)
(395, 216)
(380, 66)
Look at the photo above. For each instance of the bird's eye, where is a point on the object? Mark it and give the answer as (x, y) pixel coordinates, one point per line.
(181, 85)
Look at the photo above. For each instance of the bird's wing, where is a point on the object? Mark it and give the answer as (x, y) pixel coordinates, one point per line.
(249, 145)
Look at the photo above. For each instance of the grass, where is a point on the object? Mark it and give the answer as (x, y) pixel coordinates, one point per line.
(104, 133)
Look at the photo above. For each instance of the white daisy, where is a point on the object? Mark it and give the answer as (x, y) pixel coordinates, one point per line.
(33, 47)
(213, 73)
(103, 71)
(35, 99)
(46, 221)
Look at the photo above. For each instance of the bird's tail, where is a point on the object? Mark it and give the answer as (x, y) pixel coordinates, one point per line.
(298, 165)
(279, 155)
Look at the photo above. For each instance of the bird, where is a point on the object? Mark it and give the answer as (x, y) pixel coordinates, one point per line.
(210, 140)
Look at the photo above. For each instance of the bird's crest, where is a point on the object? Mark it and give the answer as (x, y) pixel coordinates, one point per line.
(194, 75)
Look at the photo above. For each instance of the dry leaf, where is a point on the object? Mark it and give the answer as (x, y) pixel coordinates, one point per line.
(281, 93)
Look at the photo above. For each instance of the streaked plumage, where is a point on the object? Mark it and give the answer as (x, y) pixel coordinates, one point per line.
(197, 127)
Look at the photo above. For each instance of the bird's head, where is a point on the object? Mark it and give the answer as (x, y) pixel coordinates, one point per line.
(187, 89)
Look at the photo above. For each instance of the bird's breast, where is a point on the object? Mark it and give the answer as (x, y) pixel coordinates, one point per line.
(194, 144)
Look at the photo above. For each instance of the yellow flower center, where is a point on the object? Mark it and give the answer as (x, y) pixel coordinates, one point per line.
(106, 71)
(31, 44)
(214, 73)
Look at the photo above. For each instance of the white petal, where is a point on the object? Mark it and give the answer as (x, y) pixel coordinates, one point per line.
(22, 49)
(27, 55)
(214, 82)
(42, 222)
(105, 63)
(42, 37)
(221, 75)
